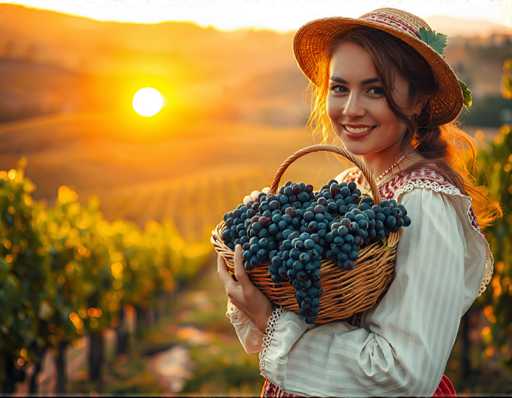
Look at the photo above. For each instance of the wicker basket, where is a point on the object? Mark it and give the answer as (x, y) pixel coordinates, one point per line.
(345, 292)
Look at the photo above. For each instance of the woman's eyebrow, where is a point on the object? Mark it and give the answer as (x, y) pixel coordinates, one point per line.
(366, 81)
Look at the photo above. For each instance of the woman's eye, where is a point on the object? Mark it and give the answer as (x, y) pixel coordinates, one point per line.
(376, 91)
(338, 89)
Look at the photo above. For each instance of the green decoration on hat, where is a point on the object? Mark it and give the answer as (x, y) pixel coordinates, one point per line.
(466, 92)
(435, 40)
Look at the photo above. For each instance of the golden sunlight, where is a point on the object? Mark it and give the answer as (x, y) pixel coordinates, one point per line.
(147, 101)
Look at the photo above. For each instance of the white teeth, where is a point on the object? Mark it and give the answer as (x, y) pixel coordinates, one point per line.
(357, 130)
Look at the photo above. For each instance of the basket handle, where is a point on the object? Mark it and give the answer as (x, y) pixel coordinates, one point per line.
(329, 148)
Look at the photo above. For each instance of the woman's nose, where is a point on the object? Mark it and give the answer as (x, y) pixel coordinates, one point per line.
(353, 106)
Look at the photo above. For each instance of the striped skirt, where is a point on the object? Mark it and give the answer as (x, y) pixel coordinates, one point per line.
(444, 389)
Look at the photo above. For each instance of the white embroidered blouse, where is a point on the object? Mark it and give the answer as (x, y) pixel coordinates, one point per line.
(402, 345)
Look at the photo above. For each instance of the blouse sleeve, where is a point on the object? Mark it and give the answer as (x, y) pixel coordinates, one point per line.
(407, 338)
(249, 335)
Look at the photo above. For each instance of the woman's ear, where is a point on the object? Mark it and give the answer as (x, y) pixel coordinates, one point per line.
(418, 107)
(416, 101)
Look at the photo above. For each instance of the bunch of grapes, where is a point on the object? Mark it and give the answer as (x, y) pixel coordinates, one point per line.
(294, 229)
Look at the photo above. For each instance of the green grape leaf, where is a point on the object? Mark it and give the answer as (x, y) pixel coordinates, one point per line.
(466, 92)
(435, 40)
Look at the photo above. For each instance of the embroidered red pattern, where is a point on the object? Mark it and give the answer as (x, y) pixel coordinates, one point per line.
(391, 187)
(270, 390)
(392, 21)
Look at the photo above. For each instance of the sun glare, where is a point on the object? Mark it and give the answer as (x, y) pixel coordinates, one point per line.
(147, 101)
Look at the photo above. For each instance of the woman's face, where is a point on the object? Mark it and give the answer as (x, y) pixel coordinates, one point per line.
(357, 106)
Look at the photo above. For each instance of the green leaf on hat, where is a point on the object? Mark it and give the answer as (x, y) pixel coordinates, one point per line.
(435, 40)
(466, 92)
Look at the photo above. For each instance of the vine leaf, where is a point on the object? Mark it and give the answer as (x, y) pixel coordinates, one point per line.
(466, 92)
(435, 40)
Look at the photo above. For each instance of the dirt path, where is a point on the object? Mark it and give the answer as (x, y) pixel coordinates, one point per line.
(200, 320)
(75, 364)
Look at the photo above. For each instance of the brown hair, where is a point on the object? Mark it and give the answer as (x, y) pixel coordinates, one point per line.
(446, 148)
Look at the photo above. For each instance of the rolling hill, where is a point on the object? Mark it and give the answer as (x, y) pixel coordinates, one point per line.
(237, 109)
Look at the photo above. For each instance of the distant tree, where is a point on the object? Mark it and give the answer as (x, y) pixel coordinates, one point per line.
(487, 111)
(506, 80)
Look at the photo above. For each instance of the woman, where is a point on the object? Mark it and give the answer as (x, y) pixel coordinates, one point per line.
(381, 84)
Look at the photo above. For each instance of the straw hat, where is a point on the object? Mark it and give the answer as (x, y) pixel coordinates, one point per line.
(313, 39)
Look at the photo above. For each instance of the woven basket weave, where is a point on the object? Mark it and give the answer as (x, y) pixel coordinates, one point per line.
(345, 292)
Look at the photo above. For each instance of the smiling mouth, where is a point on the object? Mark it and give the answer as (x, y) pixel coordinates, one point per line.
(357, 131)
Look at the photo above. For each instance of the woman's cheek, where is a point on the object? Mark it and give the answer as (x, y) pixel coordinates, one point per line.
(334, 110)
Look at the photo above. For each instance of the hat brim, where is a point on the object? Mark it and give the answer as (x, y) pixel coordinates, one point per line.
(311, 42)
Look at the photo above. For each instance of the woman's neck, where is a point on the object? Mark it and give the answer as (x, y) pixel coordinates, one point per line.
(385, 162)
(388, 165)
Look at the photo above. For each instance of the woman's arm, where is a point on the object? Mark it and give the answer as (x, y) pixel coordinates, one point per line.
(407, 338)
(249, 335)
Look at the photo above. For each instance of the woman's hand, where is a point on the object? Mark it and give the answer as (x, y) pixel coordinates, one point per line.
(242, 292)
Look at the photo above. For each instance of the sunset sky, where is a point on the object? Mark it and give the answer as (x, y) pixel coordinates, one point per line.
(279, 15)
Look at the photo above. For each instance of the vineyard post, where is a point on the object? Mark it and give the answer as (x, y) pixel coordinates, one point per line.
(38, 366)
(60, 368)
(96, 356)
(139, 321)
(121, 332)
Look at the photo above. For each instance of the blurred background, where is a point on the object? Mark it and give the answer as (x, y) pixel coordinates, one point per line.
(128, 129)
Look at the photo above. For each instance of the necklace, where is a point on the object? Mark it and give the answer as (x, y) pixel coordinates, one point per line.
(389, 169)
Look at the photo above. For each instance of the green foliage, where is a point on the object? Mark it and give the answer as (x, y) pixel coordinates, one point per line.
(466, 92)
(22, 271)
(65, 270)
(496, 161)
(496, 173)
(435, 40)
(506, 81)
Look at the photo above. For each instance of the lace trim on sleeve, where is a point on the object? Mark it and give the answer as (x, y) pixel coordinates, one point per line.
(235, 316)
(449, 189)
(269, 332)
(433, 185)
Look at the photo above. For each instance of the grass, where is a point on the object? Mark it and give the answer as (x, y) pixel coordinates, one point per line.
(221, 368)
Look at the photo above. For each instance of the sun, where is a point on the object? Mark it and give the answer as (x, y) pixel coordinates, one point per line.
(147, 101)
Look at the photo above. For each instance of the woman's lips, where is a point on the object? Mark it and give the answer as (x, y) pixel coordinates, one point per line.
(357, 133)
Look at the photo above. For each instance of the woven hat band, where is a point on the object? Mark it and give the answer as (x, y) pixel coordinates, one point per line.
(403, 21)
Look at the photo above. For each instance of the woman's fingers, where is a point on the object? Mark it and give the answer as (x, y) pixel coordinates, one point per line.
(224, 275)
(240, 273)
